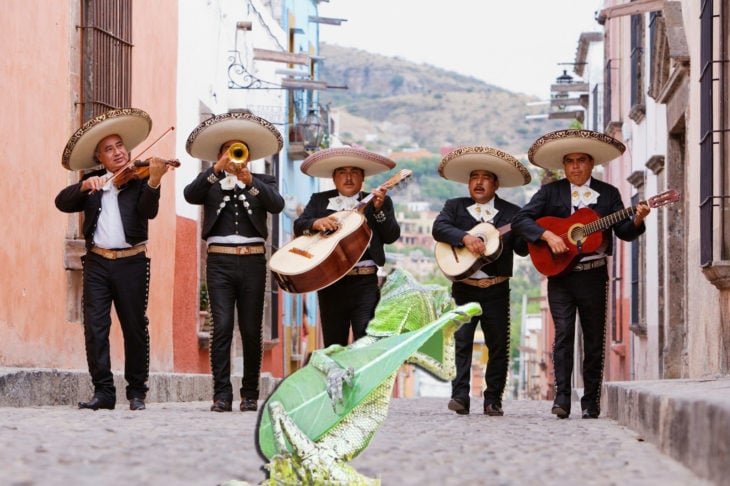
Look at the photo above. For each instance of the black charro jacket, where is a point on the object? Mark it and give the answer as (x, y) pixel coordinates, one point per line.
(262, 195)
(138, 203)
(383, 233)
(554, 200)
(454, 221)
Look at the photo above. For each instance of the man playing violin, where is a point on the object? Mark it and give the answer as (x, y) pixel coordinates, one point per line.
(236, 205)
(116, 269)
(484, 170)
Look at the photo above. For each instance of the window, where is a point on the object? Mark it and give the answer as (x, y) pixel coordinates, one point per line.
(107, 56)
(714, 129)
(638, 108)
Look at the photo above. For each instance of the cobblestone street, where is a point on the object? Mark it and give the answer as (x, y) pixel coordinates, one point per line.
(420, 443)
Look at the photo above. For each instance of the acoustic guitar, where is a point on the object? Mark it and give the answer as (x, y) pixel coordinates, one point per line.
(457, 262)
(583, 233)
(311, 262)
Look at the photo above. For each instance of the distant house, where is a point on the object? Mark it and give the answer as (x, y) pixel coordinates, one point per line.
(411, 154)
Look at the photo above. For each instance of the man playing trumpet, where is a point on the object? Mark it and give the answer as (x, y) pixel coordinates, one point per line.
(236, 204)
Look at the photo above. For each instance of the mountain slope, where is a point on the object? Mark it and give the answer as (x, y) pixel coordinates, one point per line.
(391, 103)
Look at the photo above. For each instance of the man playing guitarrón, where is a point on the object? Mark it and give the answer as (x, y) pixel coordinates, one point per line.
(351, 300)
(484, 170)
(583, 288)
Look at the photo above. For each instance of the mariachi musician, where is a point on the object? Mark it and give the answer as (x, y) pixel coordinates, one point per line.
(117, 205)
(350, 301)
(484, 170)
(236, 205)
(584, 287)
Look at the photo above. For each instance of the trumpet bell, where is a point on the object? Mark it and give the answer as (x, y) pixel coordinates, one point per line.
(238, 153)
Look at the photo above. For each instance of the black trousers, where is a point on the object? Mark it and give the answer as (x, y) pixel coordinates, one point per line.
(585, 293)
(495, 324)
(124, 282)
(349, 302)
(236, 283)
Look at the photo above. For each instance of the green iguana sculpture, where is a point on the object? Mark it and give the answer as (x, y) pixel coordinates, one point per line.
(326, 413)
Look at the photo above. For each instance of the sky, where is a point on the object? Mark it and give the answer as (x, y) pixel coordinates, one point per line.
(514, 44)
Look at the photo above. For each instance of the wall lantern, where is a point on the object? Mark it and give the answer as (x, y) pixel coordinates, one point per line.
(313, 130)
(564, 78)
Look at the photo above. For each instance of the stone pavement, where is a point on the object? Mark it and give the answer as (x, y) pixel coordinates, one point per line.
(421, 443)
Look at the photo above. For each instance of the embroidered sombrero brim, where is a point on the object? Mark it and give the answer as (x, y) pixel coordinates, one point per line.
(322, 163)
(459, 164)
(548, 151)
(131, 124)
(261, 137)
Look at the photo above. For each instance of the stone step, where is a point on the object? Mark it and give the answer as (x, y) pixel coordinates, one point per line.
(24, 387)
(689, 420)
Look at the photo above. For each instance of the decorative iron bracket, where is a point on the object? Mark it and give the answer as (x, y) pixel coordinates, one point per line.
(240, 78)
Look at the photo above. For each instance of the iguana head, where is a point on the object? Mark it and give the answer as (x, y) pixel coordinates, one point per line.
(406, 305)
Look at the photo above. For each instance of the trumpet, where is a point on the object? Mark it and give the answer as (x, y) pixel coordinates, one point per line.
(238, 153)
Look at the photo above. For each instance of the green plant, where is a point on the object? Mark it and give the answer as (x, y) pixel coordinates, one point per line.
(204, 301)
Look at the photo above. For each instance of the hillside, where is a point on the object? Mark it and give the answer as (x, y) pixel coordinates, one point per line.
(391, 103)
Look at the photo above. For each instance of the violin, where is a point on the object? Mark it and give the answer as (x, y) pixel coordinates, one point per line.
(137, 169)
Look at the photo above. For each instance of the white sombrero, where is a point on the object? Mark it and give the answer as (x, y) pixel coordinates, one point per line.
(548, 151)
(459, 164)
(323, 162)
(131, 124)
(261, 137)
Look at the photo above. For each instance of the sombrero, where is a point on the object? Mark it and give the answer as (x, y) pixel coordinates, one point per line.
(323, 162)
(458, 165)
(131, 124)
(261, 137)
(548, 151)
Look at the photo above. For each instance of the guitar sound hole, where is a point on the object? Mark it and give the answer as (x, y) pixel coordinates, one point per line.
(577, 233)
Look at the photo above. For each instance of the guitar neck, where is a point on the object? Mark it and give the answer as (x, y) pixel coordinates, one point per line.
(387, 185)
(364, 202)
(610, 220)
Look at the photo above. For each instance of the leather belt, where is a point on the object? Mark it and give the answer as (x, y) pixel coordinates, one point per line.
(589, 265)
(484, 282)
(114, 254)
(369, 270)
(238, 250)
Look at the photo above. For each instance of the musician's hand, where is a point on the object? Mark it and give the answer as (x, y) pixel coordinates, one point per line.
(474, 244)
(92, 184)
(158, 167)
(222, 164)
(378, 198)
(642, 211)
(328, 223)
(556, 243)
(244, 174)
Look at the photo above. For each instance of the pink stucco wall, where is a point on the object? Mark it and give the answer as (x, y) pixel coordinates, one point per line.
(40, 86)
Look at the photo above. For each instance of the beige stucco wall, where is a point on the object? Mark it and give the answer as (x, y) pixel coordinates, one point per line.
(704, 346)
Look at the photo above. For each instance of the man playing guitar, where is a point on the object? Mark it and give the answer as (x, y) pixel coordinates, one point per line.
(484, 170)
(350, 301)
(582, 287)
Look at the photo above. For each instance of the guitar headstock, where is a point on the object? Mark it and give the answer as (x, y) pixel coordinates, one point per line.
(666, 197)
(400, 177)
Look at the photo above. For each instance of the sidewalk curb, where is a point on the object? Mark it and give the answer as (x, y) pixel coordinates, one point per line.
(24, 387)
(689, 420)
